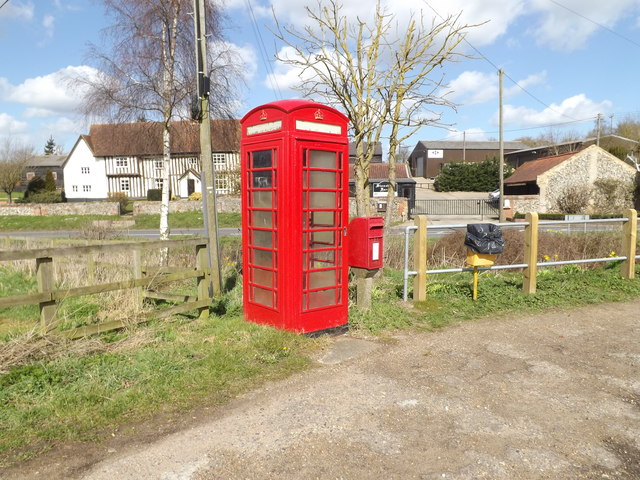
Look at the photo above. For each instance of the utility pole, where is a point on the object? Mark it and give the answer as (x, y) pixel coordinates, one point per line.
(598, 119)
(501, 154)
(208, 173)
(464, 146)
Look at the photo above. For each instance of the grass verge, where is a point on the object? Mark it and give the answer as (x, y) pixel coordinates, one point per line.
(86, 389)
(79, 222)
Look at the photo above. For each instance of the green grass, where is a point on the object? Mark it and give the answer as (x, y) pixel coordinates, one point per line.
(14, 196)
(78, 222)
(129, 376)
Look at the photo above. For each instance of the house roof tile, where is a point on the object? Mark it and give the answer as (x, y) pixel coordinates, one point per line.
(145, 138)
(530, 171)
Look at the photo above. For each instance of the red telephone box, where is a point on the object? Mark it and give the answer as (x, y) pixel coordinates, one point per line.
(295, 164)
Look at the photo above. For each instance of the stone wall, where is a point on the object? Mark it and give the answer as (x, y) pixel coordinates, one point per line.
(70, 208)
(226, 204)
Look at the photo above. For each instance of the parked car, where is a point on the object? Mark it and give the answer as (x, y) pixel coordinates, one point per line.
(494, 197)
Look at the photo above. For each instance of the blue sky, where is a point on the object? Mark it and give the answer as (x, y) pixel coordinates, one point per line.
(565, 61)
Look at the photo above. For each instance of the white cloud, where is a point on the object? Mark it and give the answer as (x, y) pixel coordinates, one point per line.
(568, 24)
(578, 107)
(472, 87)
(471, 134)
(11, 126)
(49, 94)
(48, 23)
(17, 9)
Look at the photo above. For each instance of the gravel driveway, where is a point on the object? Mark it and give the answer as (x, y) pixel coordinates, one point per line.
(546, 396)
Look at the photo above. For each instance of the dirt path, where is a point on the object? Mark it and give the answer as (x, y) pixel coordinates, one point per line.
(551, 396)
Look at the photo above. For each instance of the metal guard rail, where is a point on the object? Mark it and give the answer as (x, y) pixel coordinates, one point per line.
(411, 228)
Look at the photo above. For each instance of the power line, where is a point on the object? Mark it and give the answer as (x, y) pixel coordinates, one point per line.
(505, 74)
(263, 50)
(4, 3)
(595, 23)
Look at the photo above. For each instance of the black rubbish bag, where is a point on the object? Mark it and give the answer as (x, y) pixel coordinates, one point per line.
(484, 238)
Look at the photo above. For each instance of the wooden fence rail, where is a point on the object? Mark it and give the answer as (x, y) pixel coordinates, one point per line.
(48, 297)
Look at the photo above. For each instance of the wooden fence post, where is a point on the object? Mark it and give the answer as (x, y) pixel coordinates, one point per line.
(629, 236)
(202, 263)
(136, 267)
(531, 253)
(420, 259)
(44, 275)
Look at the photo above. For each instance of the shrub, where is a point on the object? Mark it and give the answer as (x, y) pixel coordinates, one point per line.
(45, 196)
(36, 184)
(574, 199)
(471, 177)
(49, 181)
(195, 197)
(120, 197)
(611, 195)
(154, 194)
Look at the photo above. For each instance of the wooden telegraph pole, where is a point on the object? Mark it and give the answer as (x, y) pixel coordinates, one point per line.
(501, 202)
(208, 173)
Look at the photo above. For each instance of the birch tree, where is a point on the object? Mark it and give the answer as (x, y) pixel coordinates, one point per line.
(376, 74)
(147, 70)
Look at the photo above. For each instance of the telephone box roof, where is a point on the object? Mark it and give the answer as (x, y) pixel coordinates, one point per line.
(291, 105)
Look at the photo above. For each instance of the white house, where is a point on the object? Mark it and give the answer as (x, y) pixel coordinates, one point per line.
(127, 158)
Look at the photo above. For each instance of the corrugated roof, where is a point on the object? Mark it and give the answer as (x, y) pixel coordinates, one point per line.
(530, 171)
(145, 138)
(478, 145)
(47, 161)
(380, 171)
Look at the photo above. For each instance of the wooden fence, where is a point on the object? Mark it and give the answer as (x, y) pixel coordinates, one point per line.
(48, 296)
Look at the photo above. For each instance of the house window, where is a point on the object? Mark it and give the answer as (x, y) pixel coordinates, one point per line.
(192, 162)
(30, 175)
(84, 170)
(158, 164)
(219, 159)
(74, 188)
(159, 183)
(122, 162)
(222, 184)
(124, 184)
(54, 175)
(86, 188)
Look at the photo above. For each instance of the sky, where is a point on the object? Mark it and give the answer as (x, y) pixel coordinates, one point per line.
(565, 62)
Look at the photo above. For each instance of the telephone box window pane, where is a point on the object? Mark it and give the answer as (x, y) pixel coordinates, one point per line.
(322, 239)
(261, 199)
(262, 159)
(262, 296)
(322, 219)
(320, 259)
(262, 258)
(263, 277)
(262, 179)
(323, 298)
(262, 219)
(320, 179)
(262, 238)
(322, 279)
(321, 159)
(322, 200)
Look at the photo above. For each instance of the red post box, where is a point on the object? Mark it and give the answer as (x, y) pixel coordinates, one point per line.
(295, 167)
(366, 242)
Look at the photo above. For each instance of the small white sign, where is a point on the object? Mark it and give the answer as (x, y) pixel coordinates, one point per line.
(375, 251)
(435, 154)
(264, 127)
(318, 127)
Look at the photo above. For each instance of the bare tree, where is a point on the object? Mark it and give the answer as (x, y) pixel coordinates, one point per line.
(148, 69)
(13, 160)
(378, 76)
